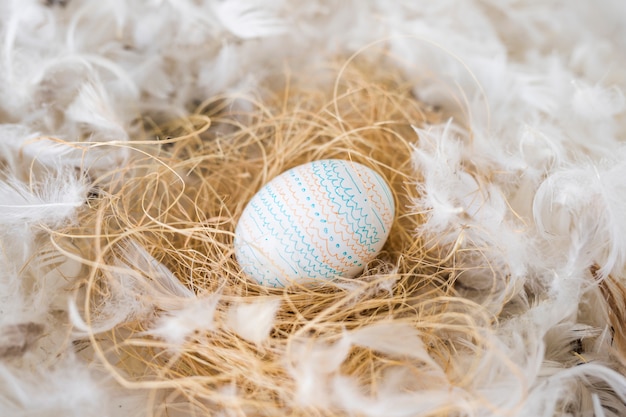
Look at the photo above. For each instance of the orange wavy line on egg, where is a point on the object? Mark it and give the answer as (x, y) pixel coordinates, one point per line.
(315, 189)
(363, 255)
(379, 203)
(325, 259)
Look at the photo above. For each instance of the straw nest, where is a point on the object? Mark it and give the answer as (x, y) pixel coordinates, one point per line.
(157, 236)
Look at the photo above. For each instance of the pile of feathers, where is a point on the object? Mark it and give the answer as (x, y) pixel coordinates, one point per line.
(524, 180)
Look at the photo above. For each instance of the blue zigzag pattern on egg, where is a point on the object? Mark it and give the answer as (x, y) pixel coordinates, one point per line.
(353, 225)
(360, 222)
(328, 182)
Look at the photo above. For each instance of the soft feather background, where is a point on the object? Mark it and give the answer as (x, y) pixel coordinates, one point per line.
(537, 90)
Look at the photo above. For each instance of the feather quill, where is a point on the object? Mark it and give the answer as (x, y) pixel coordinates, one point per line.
(52, 201)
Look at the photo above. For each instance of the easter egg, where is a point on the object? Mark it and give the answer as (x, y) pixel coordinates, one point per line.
(321, 220)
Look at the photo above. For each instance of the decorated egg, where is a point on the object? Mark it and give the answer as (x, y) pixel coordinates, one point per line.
(321, 220)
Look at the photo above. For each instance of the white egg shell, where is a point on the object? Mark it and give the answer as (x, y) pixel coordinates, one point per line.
(321, 220)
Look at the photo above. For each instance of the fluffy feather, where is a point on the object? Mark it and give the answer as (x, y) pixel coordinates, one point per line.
(51, 201)
(247, 20)
(312, 364)
(69, 389)
(138, 285)
(465, 211)
(394, 401)
(585, 206)
(253, 321)
(175, 326)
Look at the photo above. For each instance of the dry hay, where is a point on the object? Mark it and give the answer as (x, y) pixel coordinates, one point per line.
(179, 198)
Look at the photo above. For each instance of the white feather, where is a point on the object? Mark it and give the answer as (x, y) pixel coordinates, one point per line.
(463, 209)
(396, 339)
(312, 363)
(573, 386)
(585, 206)
(69, 389)
(11, 138)
(597, 103)
(395, 401)
(138, 285)
(438, 159)
(162, 284)
(177, 325)
(247, 20)
(253, 321)
(51, 201)
(93, 107)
